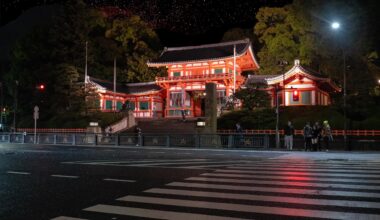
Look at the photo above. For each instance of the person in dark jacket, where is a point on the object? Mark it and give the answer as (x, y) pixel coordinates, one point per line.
(288, 135)
(307, 134)
(316, 139)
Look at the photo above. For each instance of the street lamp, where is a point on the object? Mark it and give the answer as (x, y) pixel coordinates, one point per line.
(282, 64)
(336, 26)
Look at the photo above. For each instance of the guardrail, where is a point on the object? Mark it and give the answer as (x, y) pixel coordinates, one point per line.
(300, 132)
(177, 140)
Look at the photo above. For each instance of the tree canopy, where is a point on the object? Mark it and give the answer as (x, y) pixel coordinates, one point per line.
(54, 55)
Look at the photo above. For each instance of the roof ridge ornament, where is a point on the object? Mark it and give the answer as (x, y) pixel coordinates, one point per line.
(296, 62)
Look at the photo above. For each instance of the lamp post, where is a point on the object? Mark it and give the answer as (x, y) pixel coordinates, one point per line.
(282, 64)
(336, 26)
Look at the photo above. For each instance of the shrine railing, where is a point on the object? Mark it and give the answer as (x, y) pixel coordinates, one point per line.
(216, 76)
(300, 132)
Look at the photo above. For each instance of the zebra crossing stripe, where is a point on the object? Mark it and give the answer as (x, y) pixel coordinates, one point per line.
(156, 214)
(341, 170)
(296, 178)
(285, 183)
(291, 173)
(328, 166)
(277, 190)
(67, 218)
(184, 163)
(281, 199)
(249, 208)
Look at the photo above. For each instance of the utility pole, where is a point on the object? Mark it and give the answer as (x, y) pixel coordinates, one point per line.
(15, 106)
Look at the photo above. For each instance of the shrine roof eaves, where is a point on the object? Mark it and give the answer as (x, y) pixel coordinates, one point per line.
(129, 88)
(201, 53)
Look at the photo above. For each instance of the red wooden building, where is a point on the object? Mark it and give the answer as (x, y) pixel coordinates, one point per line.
(298, 86)
(190, 68)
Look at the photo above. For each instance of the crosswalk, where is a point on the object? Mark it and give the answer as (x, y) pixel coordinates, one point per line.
(267, 189)
(165, 163)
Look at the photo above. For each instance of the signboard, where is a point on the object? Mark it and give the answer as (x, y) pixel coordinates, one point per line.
(94, 124)
(36, 114)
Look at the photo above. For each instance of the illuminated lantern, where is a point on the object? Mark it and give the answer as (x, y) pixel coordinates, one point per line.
(296, 96)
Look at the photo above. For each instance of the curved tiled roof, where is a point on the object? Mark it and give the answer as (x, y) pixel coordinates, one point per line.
(129, 88)
(202, 52)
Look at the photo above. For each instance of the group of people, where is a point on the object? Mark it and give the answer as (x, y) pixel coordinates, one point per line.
(315, 136)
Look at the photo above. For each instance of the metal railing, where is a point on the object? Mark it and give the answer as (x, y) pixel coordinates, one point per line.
(300, 132)
(159, 140)
(195, 77)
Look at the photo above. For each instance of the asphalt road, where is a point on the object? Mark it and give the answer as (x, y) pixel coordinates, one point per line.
(67, 182)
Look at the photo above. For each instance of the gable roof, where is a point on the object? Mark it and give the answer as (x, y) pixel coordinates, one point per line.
(205, 52)
(129, 88)
(297, 69)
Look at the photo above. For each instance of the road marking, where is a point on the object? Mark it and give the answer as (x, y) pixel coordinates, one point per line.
(226, 163)
(159, 152)
(17, 172)
(219, 154)
(184, 153)
(64, 176)
(119, 180)
(296, 178)
(282, 199)
(285, 183)
(210, 166)
(240, 167)
(67, 218)
(104, 162)
(298, 173)
(250, 208)
(277, 190)
(156, 214)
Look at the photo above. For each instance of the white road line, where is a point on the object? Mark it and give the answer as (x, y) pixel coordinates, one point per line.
(210, 166)
(17, 172)
(184, 153)
(239, 167)
(180, 163)
(285, 183)
(129, 161)
(67, 218)
(282, 199)
(250, 208)
(294, 178)
(64, 176)
(160, 152)
(278, 190)
(156, 214)
(290, 165)
(295, 173)
(119, 180)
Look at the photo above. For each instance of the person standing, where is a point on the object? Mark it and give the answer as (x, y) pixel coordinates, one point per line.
(288, 135)
(239, 132)
(307, 134)
(326, 134)
(316, 139)
(138, 136)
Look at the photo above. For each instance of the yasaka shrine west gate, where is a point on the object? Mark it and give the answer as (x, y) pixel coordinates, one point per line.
(190, 68)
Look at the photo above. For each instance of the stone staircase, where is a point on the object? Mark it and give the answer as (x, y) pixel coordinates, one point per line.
(165, 126)
(124, 124)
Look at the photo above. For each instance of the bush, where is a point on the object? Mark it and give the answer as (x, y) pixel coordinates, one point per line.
(266, 118)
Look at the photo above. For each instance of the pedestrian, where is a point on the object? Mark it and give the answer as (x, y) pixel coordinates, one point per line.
(307, 134)
(138, 136)
(326, 135)
(288, 135)
(239, 132)
(316, 139)
(183, 113)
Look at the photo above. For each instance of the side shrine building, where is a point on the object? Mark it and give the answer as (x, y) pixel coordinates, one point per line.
(188, 71)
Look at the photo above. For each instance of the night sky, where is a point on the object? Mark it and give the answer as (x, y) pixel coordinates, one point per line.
(178, 22)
